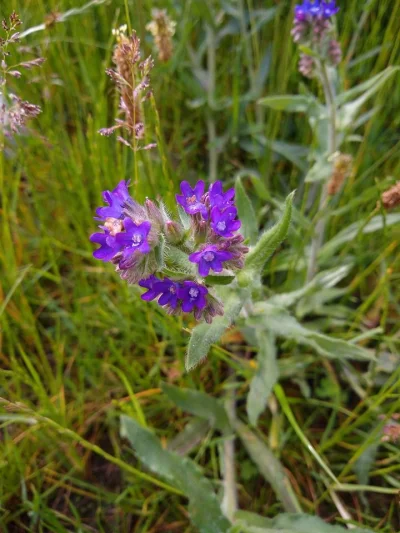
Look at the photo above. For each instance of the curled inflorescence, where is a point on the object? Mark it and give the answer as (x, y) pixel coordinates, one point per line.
(177, 262)
(313, 28)
(132, 77)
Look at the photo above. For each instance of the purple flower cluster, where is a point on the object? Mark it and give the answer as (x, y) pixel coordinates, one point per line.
(312, 27)
(317, 9)
(132, 234)
(218, 214)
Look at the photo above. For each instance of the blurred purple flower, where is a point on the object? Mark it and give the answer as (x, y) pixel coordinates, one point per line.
(191, 199)
(210, 258)
(218, 197)
(319, 8)
(224, 222)
(115, 200)
(192, 295)
(169, 292)
(109, 247)
(134, 238)
(149, 284)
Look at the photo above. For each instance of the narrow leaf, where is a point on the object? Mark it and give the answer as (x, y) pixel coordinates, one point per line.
(269, 467)
(302, 523)
(367, 87)
(282, 324)
(266, 376)
(204, 335)
(246, 213)
(290, 102)
(204, 509)
(351, 232)
(199, 404)
(268, 242)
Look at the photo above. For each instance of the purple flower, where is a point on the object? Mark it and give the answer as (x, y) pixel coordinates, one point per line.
(218, 197)
(224, 222)
(309, 10)
(192, 295)
(210, 258)
(169, 292)
(152, 292)
(109, 247)
(191, 199)
(134, 238)
(115, 200)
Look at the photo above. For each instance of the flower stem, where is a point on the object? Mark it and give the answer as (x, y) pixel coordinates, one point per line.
(230, 500)
(212, 134)
(318, 238)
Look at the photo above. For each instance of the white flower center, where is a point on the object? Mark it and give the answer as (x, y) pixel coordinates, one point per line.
(193, 293)
(137, 239)
(208, 256)
(221, 226)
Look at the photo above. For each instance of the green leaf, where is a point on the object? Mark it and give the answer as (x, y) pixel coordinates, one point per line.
(219, 280)
(287, 523)
(266, 376)
(282, 324)
(177, 260)
(199, 404)
(320, 171)
(204, 335)
(291, 102)
(269, 467)
(246, 213)
(204, 509)
(269, 241)
(302, 523)
(349, 111)
(368, 87)
(351, 232)
(191, 436)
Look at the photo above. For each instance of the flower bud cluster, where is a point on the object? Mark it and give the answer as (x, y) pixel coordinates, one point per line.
(313, 28)
(177, 262)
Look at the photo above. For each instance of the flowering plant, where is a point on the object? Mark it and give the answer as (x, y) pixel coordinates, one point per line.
(181, 262)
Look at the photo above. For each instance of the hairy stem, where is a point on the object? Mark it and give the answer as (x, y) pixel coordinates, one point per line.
(212, 132)
(318, 238)
(230, 500)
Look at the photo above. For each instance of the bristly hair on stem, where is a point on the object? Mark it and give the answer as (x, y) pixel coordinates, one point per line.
(132, 78)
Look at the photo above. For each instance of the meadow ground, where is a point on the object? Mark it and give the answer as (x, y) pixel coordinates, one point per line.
(79, 348)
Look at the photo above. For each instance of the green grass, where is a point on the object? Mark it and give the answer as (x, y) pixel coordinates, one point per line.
(78, 347)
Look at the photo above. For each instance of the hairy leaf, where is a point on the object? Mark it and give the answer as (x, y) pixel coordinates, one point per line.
(204, 335)
(351, 232)
(204, 509)
(269, 241)
(269, 467)
(289, 102)
(266, 376)
(198, 403)
(281, 323)
(246, 213)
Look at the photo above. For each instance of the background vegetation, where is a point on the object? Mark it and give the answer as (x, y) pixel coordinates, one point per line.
(78, 348)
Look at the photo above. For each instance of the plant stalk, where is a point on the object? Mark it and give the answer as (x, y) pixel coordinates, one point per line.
(318, 238)
(230, 501)
(211, 128)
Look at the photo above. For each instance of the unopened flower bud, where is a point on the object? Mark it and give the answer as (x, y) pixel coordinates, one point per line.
(306, 65)
(174, 232)
(342, 169)
(391, 198)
